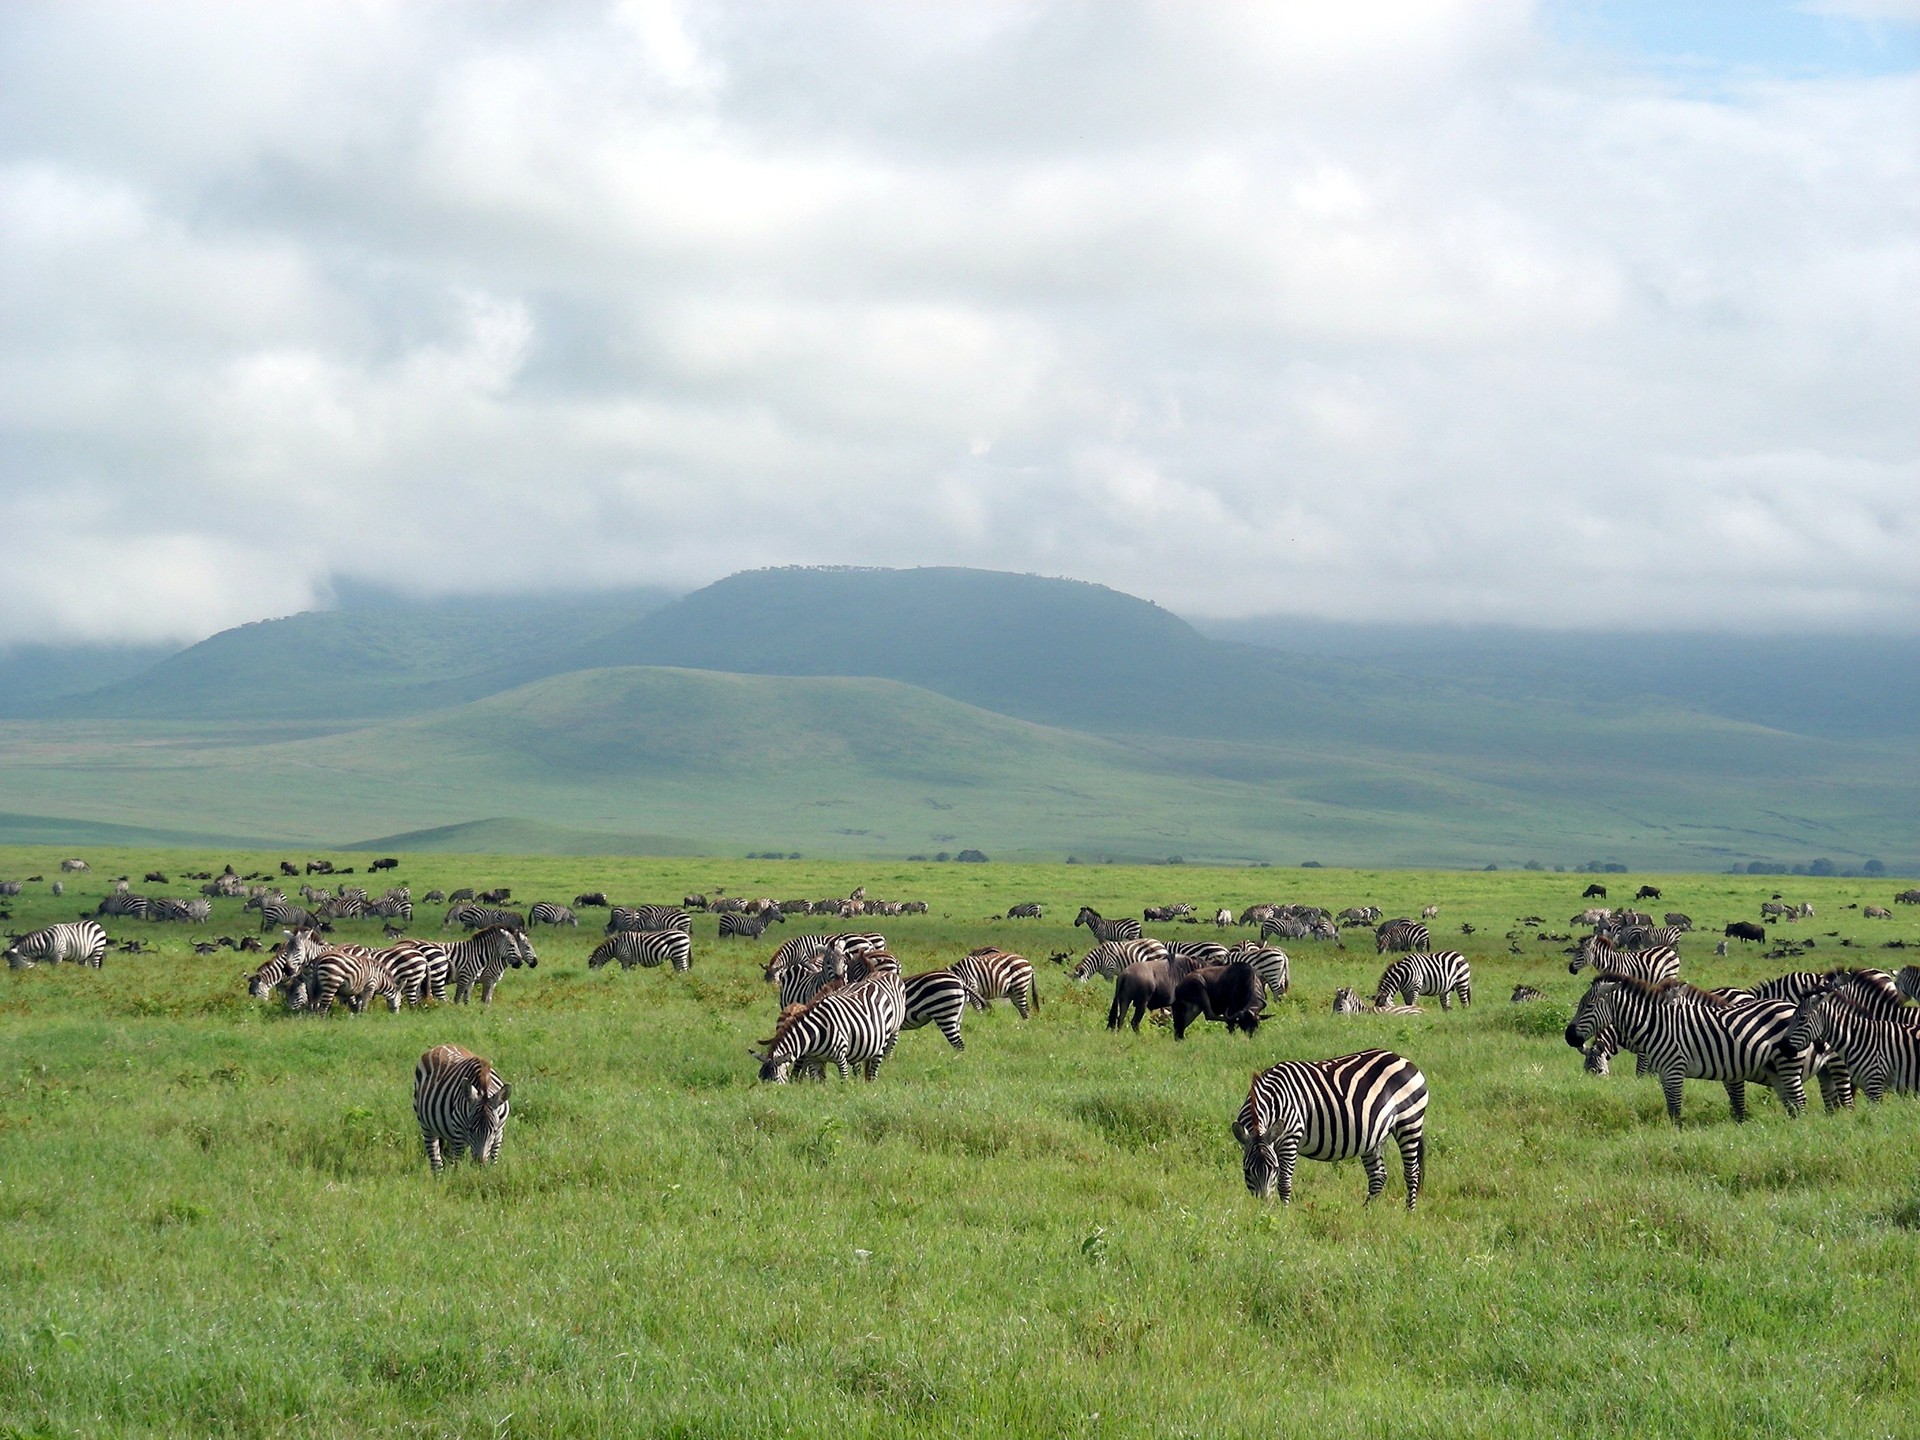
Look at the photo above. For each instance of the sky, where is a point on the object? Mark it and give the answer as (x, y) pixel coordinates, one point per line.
(1577, 315)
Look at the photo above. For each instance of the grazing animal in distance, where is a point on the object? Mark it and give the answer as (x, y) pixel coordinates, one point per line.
(1402, 935)
(1027, 910)
(1747, 932)
(1346, 1002)
(1523, 993)
(1647, 892)
(462, 1106)
(1121, 929)
(646, 948)
(1594, 892)
(1333, 1110)
(82, 942)
(1441, 972)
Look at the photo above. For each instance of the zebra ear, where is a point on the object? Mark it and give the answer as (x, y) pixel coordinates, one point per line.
(506, 1094)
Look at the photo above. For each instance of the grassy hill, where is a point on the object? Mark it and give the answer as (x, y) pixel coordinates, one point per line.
(647, 759)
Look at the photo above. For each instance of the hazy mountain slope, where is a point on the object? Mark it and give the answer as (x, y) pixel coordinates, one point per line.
(37, 678)
(866, 766)
(381, 656)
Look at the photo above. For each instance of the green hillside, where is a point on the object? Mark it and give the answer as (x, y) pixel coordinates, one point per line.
(653, 760)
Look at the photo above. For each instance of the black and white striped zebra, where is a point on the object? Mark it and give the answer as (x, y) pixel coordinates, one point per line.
(352, 973)
(1334, 1110)
(748, 927)
(857, 1024)
(648, 948)
(939, 997)
(82, 942)
(1427, 972)
(1881, 1051)
(648, 917)
(1121, 929)
(1523, 994)
(341, 907)
(1270, 966)
(996, 974)
(279, 913)
(546, 912)
(395, 908)
(483, 958)
(1028, 910)
(1191, 955)
(1681, 1033)
(472, 915)
(462, 1105)
(1660, 963)
(1346, 1001)
(286, 962)
(1402, 935)
(1110, 957)
(420, 969)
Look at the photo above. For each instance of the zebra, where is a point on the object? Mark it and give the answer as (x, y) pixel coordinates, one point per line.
(1270, 966)
(940, 997)
(1030, 910)
(286, 962)
(1122, 929)
(1436, 972)
(648, 917)
(748, 927)
(855, 1024)
(1191, 955)
(1524, 993)
(1908, 981)
(470, 915)
(646, 948)
(483, 958)
(1110, 957)
(1402, 935)
(134, 907)
(1881, 1052)
(1346, 1002)
(1286, 927)
(1334, 1110)
(1874, 990)
(1681, 1033)
(1659, 963)
(994, 974)
(545, 912)
(462, 1103)
(352, 972)
(279, 913)
(81, 941)
(393, 908)
(420, 968)
(344, 907)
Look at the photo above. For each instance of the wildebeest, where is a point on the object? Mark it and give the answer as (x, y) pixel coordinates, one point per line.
(1746, 930)
(1594, 892)
(1145, 985)
(1647, 892)
(387, 862)
(1229, 993)
(591, 898)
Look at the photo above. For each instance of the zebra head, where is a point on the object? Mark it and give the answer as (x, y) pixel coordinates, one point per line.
(1347, 1002)
(1597, 1011)
(1253, 1128)
(523, 950)
(1593, 950)
(1812, 1022)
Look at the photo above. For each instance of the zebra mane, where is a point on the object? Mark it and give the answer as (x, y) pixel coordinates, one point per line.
(786, 1022)
(1661, 991)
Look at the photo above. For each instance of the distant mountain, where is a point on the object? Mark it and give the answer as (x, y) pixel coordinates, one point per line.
(37, 678)
(379, 656)
(1840, 687)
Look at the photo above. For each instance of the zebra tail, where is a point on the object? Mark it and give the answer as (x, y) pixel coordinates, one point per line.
(973, 997)
(1033, 992)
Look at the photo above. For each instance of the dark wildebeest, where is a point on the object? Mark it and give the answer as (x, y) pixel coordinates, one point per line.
(1146, 985)
(596, 898)
(1647, 892)
(1229, 993)
(1594, 892)
(1746, 930)
(387, 862)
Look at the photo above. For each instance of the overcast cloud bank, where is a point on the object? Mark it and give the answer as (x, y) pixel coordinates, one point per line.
(1410, 314)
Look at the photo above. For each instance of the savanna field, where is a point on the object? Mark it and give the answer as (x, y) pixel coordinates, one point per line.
(216, 1218)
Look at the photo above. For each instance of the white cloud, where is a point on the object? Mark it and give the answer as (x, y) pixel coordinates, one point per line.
(1392, 311)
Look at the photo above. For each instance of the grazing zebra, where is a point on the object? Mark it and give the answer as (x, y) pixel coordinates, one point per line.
(393, 908)
(289, 958)
(1334, 1110)
(1874, 990)
(1110, 957)
(1346, 1002)
(1908, 981)
(647, 948)
(1681, 1033)
(1360, 915)
(483, 958)
(1190, 955)
(1270, 966)
(134, 907)
(1881, 1052)
(1438, 972)
(747, 927)
(1402, 935)
(345, 907)
(545, 912)
(279, 913)
(1122, 929)
(81, 941)
(461, 1102)
(939, 997)
(352, 972)
(1030, 910)
(855, 1024)
(1660, 963)
(648, 917)
(1524, 993)
(995, 974)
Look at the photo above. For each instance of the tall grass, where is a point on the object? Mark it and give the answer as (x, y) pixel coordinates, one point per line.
(216, 1219)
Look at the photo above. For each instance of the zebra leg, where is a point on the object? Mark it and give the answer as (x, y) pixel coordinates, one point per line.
(434, 1160)
(487, 988)
(1413, 1159)
(462, 991)
(1791, 1086)
(1672, 1082)
(1737, 1099)
(1286, 1155)
(950, 1027)
(1376, 1162)
(1836, 1088)
(1446, 1000)
(840, 1059)
(1466, 997)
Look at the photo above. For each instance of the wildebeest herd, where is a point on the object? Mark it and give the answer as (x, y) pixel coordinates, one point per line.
(844, 997)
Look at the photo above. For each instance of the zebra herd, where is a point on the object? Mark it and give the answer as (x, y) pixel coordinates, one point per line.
(312, 973)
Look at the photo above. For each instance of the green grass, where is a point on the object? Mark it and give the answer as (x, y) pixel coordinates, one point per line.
(214, 1219)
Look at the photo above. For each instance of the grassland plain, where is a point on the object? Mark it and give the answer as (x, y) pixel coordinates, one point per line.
(215, 1219)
